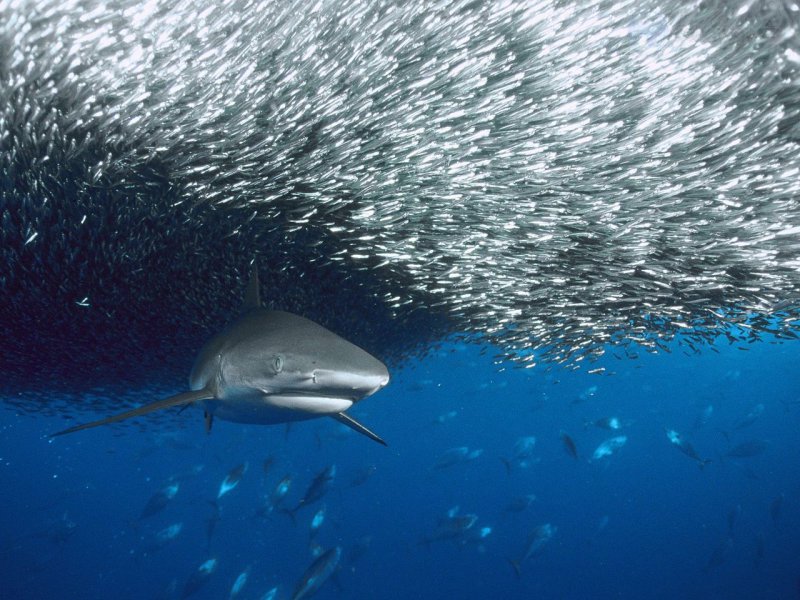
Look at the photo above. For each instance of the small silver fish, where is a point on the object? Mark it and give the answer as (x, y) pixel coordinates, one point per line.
(610, 446)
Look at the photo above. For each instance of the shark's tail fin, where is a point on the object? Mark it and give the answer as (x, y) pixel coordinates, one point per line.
(179, 400)
(516, 565)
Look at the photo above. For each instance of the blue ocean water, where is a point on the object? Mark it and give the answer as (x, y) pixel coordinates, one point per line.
(644, 522)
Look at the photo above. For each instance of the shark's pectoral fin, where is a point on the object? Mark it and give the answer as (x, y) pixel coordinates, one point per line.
(356, 426)
(180, 399)
(209, 421)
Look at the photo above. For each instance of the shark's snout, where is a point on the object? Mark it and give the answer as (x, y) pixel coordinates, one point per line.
(379, 381)
(356, 384)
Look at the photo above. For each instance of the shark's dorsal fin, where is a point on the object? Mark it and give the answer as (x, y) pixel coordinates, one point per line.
(252, 296)
(356, 426)
(178, 400)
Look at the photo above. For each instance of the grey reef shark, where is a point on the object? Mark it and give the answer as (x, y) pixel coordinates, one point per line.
(270, 366)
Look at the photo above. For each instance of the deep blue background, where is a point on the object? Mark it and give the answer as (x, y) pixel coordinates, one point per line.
(665, 516)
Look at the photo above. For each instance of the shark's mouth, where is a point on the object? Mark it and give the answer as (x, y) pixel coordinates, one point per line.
(345, 384)
(314, 404)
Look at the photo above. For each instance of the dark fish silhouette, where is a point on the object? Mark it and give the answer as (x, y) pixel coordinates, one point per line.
(609, 423)
(522, 453)
(747, 449)
(750, 418)
(537, 539)
(520, 503)
(317, 574)
(452, 527)
(684, 446)
(362, 476)
(569, 445)
(159, 500)
(316, 490)
(454, 456)
(200, 577)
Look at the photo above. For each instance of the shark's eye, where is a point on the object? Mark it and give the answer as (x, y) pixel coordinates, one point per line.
(277, 364)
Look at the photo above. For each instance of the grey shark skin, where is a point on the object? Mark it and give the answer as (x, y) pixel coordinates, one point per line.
(270, 366)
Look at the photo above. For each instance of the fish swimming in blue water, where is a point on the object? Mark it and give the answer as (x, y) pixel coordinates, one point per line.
(363, 475)
(454, 456)
(318, 573)
(520, 503)
(453, 526)
(162, 538)
(239, 583)
(279, 493)
(751, 417)
(609, 447)
(160, 499)
(200, 577)
(609, 423)
(677, 440)
(521, 453)
(231, 480)
(316, 522)
(271, 594)
(537, 539)
(569, 444)
(747, 449)
(318, 487)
